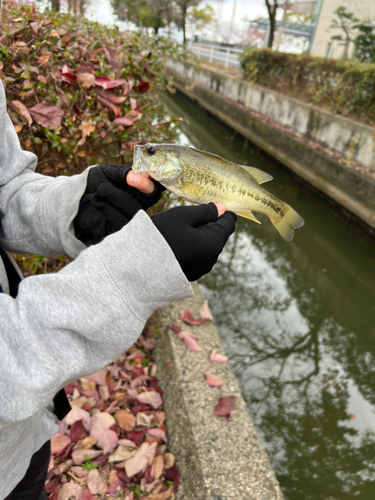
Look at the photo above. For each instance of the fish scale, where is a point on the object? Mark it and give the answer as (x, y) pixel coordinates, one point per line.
(202, 177)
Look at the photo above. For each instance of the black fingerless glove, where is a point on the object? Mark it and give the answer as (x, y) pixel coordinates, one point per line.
(196, 236)
(109, 203)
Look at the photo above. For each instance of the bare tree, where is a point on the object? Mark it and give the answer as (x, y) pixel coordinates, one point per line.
(272, 10)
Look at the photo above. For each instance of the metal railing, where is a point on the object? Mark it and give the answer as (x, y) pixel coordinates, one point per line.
(228, 56)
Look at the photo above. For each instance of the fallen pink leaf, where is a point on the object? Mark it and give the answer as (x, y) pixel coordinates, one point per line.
(213, 381)
(157, 433)
(79, 455)
(94, 481)
(190, 341)
(151, 398)
(127, 443)
(136, 354)
(138, 462)
(59, 443)
(204, 312)
(78, 414)
(218, 357)
(70, 491)
(99, 377)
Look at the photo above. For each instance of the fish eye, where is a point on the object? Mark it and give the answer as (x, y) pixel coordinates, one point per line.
(151, 151)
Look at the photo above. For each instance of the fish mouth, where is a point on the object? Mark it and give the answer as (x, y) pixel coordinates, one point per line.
(139, 164)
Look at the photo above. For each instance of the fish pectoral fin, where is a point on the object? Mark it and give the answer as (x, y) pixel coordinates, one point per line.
(258, 175)
(248, 215)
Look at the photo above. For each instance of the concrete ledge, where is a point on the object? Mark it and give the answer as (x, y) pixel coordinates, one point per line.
(217, 460)
(350, 188)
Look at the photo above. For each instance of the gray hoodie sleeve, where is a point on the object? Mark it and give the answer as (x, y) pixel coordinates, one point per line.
(37, 211)
(66, 325)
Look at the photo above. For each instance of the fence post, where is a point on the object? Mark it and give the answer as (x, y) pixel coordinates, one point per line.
(212, 54)
(199, 51)
(227, 58)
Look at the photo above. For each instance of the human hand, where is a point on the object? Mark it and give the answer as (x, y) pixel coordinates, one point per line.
(114, 194)
(196, 235)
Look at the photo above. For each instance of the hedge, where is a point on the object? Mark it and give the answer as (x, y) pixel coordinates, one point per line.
(344, 87)
(78, 92)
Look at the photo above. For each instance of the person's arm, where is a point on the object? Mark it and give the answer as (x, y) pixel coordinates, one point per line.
(66, 325)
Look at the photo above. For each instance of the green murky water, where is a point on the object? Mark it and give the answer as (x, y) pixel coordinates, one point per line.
(298, 323)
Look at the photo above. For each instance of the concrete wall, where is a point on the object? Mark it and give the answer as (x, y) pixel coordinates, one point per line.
(218, 460)
(362, 9)
(349, 138)
(221, 95)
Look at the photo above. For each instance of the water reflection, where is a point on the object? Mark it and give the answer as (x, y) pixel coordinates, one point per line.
(297, 321)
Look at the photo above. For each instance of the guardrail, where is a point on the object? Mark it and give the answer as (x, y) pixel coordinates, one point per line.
(217, 53)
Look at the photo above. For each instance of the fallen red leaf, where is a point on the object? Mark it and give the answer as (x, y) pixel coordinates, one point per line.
(87, 495)
(52, 485)
(106, 83)
(137, 436)
(77, 431)
(225, 405)
(187, 317)
(173, 474)
(175, 328)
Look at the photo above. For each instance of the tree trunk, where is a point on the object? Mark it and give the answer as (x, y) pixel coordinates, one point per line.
(272, 9)
(55, 4)
(184, 22)
(271, 34)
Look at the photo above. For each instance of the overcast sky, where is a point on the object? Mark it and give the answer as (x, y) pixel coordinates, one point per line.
(246, 9)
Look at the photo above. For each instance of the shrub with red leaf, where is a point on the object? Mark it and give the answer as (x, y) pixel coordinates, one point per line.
(79, 90)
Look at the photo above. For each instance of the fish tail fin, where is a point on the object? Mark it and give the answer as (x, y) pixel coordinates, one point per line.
(286, 224)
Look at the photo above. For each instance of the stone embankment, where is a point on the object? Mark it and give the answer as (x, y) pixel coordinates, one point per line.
(217, 460)
(333, 154)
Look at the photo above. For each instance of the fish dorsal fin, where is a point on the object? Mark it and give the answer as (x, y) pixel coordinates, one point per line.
(249, 215)
(258, 175)
(213, 156)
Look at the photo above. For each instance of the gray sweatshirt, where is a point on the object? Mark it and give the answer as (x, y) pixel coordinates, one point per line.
(67, 325)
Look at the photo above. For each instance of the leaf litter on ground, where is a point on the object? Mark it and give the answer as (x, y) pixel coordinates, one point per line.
(113, 442)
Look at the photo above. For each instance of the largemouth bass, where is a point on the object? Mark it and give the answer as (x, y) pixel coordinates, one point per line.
(201, 177)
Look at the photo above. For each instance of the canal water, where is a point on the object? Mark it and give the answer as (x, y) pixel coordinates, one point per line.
(297, 321)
